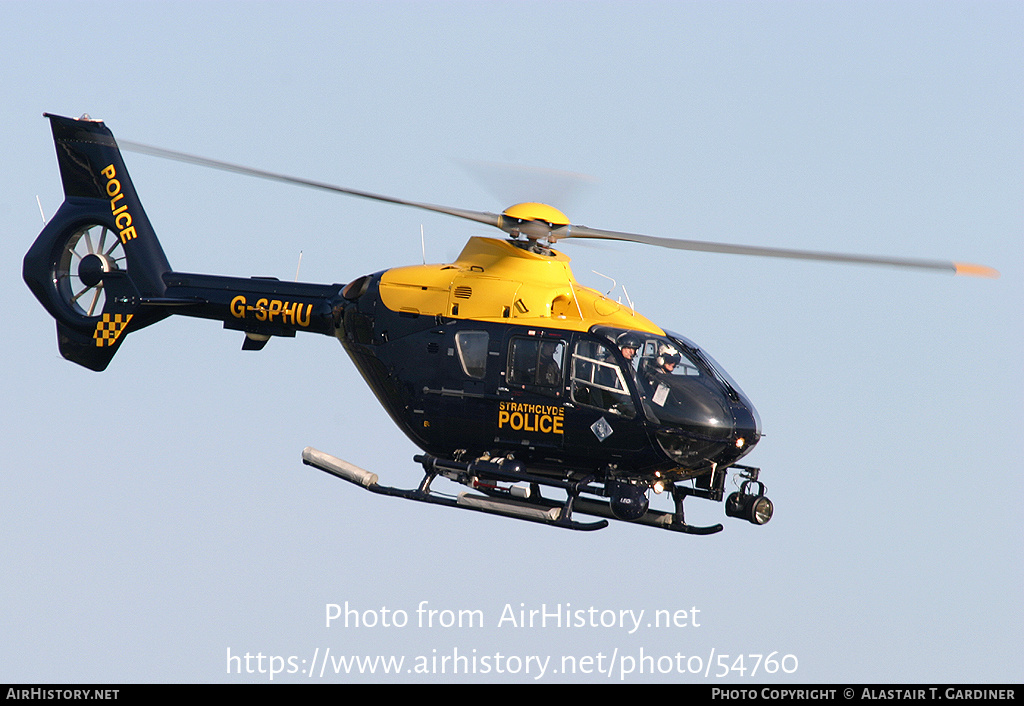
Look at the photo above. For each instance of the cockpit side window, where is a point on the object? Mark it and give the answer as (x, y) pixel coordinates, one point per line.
(472, 347)
(598, 381)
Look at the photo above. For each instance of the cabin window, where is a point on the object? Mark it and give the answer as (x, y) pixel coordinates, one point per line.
(597, 380)
(536, 361)
(472, 347)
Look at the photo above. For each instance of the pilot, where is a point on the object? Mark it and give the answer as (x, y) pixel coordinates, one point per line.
(655, 372)
(629, 344)
(667, 360)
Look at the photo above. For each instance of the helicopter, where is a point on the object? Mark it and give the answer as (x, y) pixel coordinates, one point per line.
(514, 380)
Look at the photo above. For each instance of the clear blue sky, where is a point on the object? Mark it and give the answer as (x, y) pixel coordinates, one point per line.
(156, 517)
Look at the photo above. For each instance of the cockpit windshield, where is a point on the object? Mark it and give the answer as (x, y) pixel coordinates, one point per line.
(678, 385)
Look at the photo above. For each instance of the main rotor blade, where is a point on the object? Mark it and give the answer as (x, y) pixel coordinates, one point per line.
(515, 183)
(485, 217)
(958, 268)
(539, 230)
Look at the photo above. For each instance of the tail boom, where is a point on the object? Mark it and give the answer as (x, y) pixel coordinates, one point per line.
(99, 270)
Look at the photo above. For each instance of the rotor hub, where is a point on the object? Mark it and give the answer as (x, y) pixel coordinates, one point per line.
(92, 268)
(535, 221)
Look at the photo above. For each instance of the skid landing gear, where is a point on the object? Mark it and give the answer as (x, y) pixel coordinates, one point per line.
(508, 489)
(498, 501)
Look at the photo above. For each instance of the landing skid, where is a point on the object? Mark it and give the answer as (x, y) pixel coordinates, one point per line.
(545, 512)
(499, 501)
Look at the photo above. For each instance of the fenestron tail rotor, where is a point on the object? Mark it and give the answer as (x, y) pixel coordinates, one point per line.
(541, 222)
(87, 254)
(97, 265)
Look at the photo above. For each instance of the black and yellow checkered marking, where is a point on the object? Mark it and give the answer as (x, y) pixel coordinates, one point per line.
(109, 328)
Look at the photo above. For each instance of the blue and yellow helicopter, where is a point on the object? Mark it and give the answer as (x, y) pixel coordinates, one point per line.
(512, 378)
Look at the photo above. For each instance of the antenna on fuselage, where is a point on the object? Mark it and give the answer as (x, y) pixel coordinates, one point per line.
(607, 278)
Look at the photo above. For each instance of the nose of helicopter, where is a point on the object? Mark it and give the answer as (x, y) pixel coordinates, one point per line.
(746, 426)
(703, 421)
